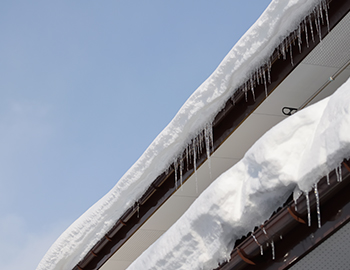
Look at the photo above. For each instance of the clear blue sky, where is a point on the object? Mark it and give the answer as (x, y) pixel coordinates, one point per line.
(85, 87)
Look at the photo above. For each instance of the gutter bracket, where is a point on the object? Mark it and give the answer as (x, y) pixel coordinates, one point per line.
(244, 258)
(291, 212)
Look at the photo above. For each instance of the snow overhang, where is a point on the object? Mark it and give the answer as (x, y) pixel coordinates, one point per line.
(286, 238)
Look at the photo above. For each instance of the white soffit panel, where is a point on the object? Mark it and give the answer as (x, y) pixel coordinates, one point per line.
(316, 69)
(331, 254)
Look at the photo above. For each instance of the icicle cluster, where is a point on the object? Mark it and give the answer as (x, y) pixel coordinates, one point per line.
(311, 23)
(188, 160)
(338, 172)
(309, 28)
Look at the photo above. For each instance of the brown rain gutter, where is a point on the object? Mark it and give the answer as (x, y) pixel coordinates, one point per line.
(289, 232)
(225, 123)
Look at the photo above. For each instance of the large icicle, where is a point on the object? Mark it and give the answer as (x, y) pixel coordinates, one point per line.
(208, 134)
(317, 206)
(308, 209)
(195, 162)
(176, 165)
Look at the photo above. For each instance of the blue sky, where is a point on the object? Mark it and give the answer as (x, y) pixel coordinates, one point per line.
(85, 87)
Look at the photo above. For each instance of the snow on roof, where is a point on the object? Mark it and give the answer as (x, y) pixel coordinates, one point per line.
(251, 51)
(294, 155)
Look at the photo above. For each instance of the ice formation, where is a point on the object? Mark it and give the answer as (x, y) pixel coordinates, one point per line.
(246, 64)
(294, 155)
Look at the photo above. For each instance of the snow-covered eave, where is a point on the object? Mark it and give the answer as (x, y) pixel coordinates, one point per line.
(286, 238)
(225, 122)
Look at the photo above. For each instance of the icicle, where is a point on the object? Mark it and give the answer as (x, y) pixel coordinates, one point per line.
(265, 84)
(181, 168)
(295, 204)
(252, 87)
(321, 13)
(311, 29)
(269, 65)
(187, 159)
(283, 50)
(260, 246)
(138, 210)
(291, 55)
(318, 22)
(195, 163)
(317, 205)
(200, 145)
(324, 3)
(306, 34)
(175, 169)
(299, 38)
(319, 27)
(211, 137)
(245, 91)
(340, 174)
(328, 183)
(337, 173)
(308, 209)
(207, 135)
(273, 249)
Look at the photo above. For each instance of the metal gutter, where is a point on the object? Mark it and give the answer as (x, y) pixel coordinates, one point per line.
(289, 232)
(236, 110)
